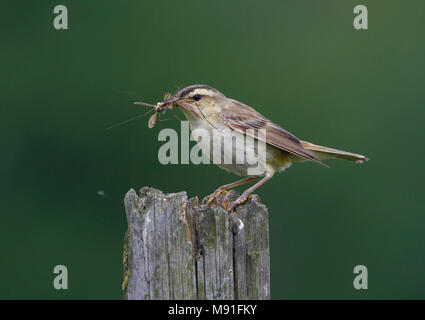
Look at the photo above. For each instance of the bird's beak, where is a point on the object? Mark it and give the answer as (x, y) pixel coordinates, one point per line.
(168, 101)
(180, 102)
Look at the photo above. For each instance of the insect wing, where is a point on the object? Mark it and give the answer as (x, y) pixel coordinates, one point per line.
(167, 96)
(152, 120)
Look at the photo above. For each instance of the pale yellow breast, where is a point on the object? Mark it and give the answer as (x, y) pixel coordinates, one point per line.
(272, 160)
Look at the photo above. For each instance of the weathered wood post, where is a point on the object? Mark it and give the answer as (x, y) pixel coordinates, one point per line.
(178, 249)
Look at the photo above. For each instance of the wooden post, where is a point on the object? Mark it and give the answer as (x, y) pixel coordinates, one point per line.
(175, 248)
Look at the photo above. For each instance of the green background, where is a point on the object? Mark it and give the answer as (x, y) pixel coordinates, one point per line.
(300, 63)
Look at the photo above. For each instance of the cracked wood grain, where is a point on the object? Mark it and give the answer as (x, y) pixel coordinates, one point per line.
(175, 248)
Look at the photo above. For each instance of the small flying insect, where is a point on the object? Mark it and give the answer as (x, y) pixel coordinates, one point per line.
(160, 108)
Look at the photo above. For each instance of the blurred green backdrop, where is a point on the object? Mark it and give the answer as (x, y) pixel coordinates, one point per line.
(300, 63)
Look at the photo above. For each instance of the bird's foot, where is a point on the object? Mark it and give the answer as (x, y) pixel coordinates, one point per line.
(240, 200)
(210, 198)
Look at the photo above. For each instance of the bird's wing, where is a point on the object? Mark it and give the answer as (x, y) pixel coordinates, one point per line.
(241, 117)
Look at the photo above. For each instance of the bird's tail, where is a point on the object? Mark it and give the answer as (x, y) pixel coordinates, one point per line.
(324, 153)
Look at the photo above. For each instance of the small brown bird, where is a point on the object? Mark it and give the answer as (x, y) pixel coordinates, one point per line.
(208, 109)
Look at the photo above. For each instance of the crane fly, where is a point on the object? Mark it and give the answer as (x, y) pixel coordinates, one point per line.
(159, 108)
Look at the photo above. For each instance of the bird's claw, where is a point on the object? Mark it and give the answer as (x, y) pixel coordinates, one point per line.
(210, 198)
(240, 200)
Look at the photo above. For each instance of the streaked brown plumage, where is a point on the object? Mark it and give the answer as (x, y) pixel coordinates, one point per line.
(208, 109)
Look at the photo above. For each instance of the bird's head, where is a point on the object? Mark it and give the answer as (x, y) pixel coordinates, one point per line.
(195, 98)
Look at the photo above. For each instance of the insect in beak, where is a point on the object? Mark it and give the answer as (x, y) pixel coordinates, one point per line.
(168, 103)
(160, 108)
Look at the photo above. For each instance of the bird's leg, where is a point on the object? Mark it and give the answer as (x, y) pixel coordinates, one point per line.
(210, 198)
(244, 196)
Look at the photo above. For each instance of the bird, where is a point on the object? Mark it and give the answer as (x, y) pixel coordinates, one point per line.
(208, 110)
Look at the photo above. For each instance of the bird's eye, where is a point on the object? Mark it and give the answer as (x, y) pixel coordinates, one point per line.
(197, 97)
